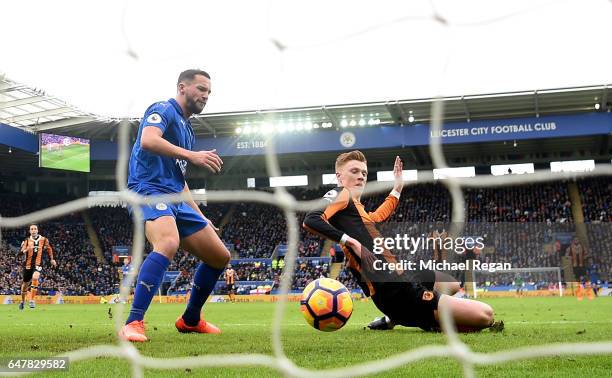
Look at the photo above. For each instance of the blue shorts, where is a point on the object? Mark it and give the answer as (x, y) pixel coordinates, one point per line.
(188, 221)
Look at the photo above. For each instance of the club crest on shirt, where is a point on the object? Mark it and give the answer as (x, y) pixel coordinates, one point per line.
(161, 206)
(330, 196)
(427, 295)
(154, 118)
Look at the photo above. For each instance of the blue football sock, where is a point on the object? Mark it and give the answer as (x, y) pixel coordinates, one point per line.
(149, 278)
(204, 281)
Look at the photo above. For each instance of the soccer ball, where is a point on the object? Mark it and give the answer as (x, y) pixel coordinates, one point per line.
(326, 304)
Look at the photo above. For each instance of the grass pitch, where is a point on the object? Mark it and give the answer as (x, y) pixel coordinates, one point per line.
(74, 158)
(53, 329)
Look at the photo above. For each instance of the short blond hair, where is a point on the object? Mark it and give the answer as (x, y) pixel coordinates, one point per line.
(348, 156)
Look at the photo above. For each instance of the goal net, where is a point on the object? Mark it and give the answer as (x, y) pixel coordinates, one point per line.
(518, 280)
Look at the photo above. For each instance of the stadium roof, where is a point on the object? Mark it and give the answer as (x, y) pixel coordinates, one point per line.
(28, 108)
(33, 110)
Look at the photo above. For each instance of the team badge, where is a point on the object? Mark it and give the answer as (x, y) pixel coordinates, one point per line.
(161, 206)
(427, 295)
(154, 118)
(329, 196)
(347, 139)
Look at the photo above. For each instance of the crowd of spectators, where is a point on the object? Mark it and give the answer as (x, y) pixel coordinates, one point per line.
(535, 213)
(78, 271)
(252, 270)
(306, 271)
(596, 194)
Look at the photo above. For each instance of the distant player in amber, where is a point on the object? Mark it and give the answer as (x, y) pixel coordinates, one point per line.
(230, 281)
(439, 252)
(576, 252)
(33, 248)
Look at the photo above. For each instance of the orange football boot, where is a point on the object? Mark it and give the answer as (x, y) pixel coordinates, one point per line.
(134, 331)
(201, 327)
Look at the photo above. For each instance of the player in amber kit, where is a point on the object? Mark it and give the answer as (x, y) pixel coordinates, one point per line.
(33, 248)
(406, 299)
(576, 252)
(230, 281)
(439, 233)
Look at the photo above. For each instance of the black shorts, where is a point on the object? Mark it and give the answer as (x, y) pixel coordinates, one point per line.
(425, 277)
(407, 303)
(580, 271)
(27, 274)
(231, 287)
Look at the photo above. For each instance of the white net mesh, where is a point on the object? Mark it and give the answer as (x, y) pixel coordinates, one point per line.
(279, 361)
(543, 276)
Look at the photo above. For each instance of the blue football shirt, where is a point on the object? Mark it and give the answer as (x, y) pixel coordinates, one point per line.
(150, 173)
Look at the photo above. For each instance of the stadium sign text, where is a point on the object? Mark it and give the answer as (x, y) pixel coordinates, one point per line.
(497, 129)
(250, 144)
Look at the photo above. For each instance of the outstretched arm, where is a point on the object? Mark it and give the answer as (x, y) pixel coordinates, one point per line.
(386, 209)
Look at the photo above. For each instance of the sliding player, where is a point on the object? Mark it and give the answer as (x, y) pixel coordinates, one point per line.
(33, 248)
(408, 301)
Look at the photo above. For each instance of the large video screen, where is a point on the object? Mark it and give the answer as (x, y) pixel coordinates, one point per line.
(64, 152)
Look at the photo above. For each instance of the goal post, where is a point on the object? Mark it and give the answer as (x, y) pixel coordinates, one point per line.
(504, 280)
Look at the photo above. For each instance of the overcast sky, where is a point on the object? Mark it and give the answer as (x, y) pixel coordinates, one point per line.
(335, 51)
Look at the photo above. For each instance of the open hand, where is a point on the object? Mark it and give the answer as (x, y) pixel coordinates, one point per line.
(207, 159)
(398, 167)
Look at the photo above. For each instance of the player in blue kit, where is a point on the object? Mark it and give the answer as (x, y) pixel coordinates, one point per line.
(593, 273)
(158, 164)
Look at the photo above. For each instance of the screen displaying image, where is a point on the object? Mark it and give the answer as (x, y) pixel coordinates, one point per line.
(64, 152)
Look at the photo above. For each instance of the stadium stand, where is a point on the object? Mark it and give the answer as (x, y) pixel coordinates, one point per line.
(545, 205)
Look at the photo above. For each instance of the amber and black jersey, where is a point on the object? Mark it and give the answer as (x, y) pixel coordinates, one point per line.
(347, 216)
(230, 276)
(33, 248)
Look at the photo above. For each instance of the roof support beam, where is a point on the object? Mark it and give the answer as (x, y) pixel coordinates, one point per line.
(604, 99)
(536, 103)
(45, 113)
(207, 126)
(64, 123)
(331, 117)
(22, 101)
(466, 109)
(405, 117)
(395, 112)
(9, 88)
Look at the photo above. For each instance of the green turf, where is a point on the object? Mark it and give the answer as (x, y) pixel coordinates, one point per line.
(74, 157)
(53, 329)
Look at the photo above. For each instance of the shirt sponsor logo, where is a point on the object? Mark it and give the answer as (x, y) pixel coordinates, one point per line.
(182, 164)
(161, 206)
